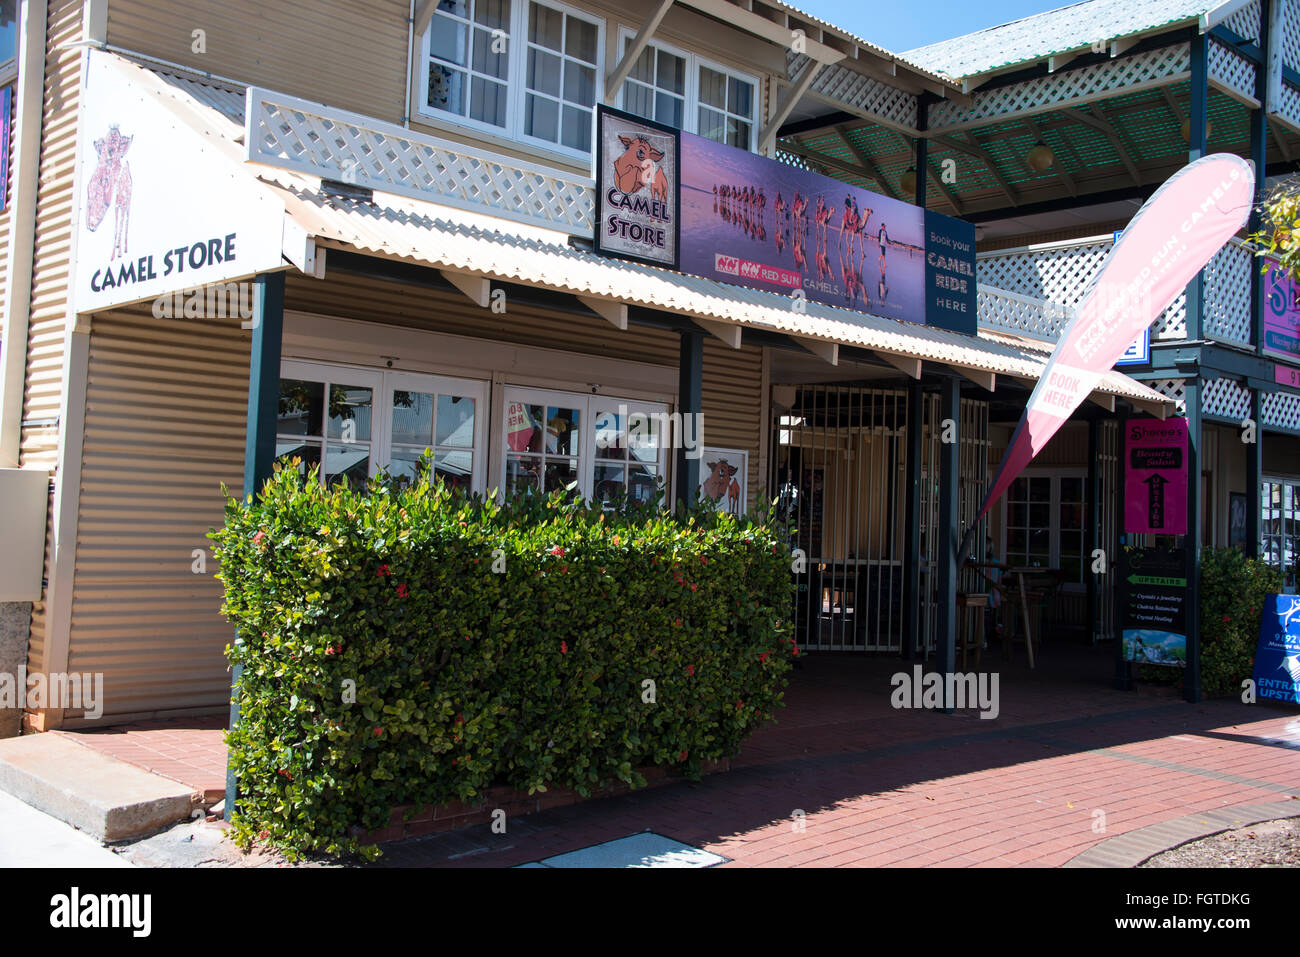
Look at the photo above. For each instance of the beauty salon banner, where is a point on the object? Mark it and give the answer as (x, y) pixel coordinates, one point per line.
(1171, 238)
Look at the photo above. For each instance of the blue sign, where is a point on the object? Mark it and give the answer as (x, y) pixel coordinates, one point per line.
(1139, 353)
(950, 273)
(1277, 657)
(6, 111)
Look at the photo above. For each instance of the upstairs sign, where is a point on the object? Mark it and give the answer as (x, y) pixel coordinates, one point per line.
(1155, 476)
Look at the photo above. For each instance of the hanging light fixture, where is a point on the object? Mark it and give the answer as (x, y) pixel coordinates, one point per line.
(908, 181)
(1040, 157)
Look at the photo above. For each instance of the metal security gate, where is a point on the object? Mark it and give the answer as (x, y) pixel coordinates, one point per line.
(973, 478)
(1107, 523)
(838, 471)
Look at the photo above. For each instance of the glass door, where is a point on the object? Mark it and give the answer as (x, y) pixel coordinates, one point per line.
(352, 422)
(446, 416)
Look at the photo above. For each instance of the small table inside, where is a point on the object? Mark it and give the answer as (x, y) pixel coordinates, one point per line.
(1020, 594)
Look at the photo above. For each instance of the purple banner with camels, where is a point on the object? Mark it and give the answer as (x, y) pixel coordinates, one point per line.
(756, 222)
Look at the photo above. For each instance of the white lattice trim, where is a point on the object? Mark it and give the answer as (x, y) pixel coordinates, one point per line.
(1291, 34)
(1245, 22)
(886, 104)
(1288, 106)
(1225, 399)
(1227, 294)
(1280, 411)
(1232, 74)
(296, 134)
(1059, 273)
(1128, 74)
(1173, 389)
(1001, 310)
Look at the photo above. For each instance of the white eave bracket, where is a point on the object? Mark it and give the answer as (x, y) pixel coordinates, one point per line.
(728, 332)
(477, 288)
(985, 380)
(908, 365)
(615, 313)
(829, 351)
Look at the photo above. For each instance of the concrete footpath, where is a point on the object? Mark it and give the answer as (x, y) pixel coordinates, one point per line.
(31, 838)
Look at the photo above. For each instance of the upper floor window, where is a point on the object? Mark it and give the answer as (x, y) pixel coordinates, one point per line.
(519, 68)
(692, 94)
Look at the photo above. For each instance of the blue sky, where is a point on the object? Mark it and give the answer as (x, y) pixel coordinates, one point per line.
(899, 26)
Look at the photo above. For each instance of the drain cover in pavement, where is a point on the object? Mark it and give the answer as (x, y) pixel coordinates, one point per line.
(639, 850)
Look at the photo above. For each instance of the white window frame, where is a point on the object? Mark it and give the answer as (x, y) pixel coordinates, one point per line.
(1054, 530)
(383, 383)
(515, 81)
(586, 404)
(691, 112)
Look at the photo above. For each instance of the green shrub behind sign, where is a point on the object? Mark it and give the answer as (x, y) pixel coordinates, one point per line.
(414, 646)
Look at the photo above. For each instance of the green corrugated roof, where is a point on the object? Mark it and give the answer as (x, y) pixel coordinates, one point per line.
(1055, 31)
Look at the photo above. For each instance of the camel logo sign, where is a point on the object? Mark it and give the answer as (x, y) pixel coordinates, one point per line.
(638, 180)
(160, 208)
(110, 184)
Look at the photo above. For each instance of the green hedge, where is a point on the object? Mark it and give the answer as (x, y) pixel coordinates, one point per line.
(489, 644)
(1232, 607)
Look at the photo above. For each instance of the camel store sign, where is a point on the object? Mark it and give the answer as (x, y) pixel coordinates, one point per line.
(159, 209)
(638, 189)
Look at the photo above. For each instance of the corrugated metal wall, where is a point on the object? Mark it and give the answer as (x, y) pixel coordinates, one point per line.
(54, 199)
(165, 410)
(165, 419)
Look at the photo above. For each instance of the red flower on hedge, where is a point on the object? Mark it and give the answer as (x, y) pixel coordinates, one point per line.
(378, 732)
(383, 571)
(460, 719)
(695, 587)
(557, 550)
(763, 656)
(739, 705)
(257, 539)
(564, 647)
(682, 756)
(690, 670)
(1226, 618)
(563, 569)
(795, 649)
(401, 591)
(677, 623)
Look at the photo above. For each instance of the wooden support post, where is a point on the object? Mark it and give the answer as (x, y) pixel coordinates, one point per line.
(259, 443)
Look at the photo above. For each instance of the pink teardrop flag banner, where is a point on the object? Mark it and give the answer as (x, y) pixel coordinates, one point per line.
(1171, 238)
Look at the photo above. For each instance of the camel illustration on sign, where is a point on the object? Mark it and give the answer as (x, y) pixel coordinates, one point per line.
(110, 184)
(722, 481)
(639, 167)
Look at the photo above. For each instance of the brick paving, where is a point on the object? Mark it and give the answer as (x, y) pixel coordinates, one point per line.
(188, 750)
(1068, 765)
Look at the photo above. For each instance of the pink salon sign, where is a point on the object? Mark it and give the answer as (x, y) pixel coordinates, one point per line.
(1155, 476)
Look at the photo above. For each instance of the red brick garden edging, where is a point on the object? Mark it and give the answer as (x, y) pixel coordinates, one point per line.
(431, 819)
